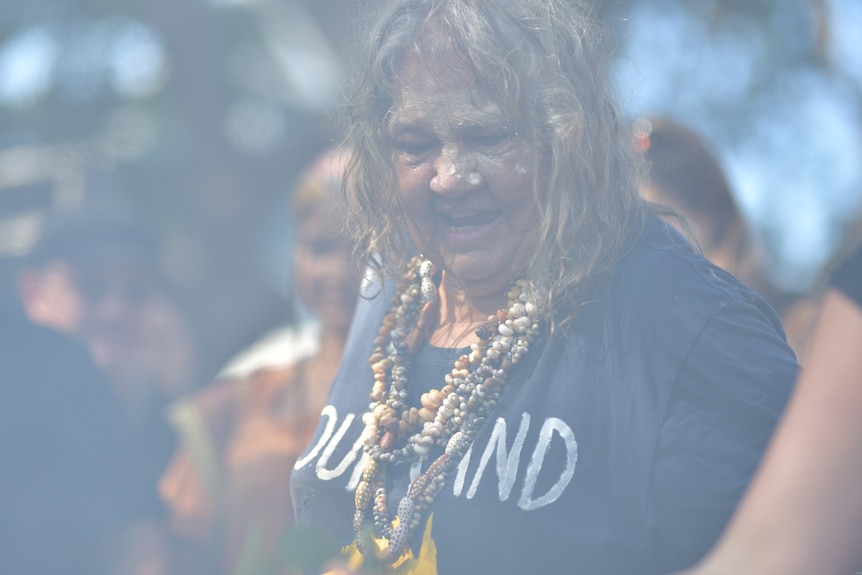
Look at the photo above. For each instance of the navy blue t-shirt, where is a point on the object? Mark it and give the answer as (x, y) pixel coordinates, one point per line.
(621, 447)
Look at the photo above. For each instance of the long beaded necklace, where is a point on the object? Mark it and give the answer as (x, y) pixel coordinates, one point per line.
(449, 417)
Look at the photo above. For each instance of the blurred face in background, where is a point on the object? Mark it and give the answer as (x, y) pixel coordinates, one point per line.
(104, 304)
(93, 299)
(325, 276)
(703, 222)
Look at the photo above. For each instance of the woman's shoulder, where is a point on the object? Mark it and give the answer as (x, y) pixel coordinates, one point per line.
(663, 282)
(662, 266)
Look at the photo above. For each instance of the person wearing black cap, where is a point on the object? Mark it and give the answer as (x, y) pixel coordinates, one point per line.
(93, 276)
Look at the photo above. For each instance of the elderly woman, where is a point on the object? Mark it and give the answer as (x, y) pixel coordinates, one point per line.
(557, 382)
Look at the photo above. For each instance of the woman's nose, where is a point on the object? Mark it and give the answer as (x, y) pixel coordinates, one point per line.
(455, 172)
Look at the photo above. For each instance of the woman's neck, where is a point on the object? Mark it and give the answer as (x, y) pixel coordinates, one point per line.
(461, 313)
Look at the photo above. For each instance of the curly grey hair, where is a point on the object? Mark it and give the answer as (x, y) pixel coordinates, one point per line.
(546, 64)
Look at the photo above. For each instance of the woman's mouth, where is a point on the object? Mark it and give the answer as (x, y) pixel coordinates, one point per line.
(464, 223)
(468, 227)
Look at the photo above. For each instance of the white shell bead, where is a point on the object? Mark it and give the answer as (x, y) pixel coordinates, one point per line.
(405, 508)
(369, 436)
(455, 443)
(429, 290)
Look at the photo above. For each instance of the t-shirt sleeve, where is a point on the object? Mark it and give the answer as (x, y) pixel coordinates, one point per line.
(727, 399)
(848, 277)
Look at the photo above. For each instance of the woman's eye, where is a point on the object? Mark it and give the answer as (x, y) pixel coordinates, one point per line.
(414, 148)
(490, 139)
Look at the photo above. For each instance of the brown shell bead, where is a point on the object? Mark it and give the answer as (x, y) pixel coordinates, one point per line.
(411, 416)
(385, 363)
(426, 414)
(363, 495)
(431, 399)
(387, 442)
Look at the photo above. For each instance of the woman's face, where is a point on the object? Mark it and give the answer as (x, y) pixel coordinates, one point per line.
(464, 177)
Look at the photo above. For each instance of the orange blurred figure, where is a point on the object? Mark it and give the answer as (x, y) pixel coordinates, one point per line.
(228, 485)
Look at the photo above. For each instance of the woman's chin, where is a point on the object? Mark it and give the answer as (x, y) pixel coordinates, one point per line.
(482, 274)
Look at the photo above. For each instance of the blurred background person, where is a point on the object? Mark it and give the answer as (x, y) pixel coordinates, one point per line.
(73, 498)
(94, 274)
(227, 487)
(70, 498)
(684, 174)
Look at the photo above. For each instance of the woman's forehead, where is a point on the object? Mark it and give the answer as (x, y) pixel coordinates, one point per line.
(446, 84)
(439, 68)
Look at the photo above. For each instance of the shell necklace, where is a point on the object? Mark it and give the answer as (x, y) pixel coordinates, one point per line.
(449, 417)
